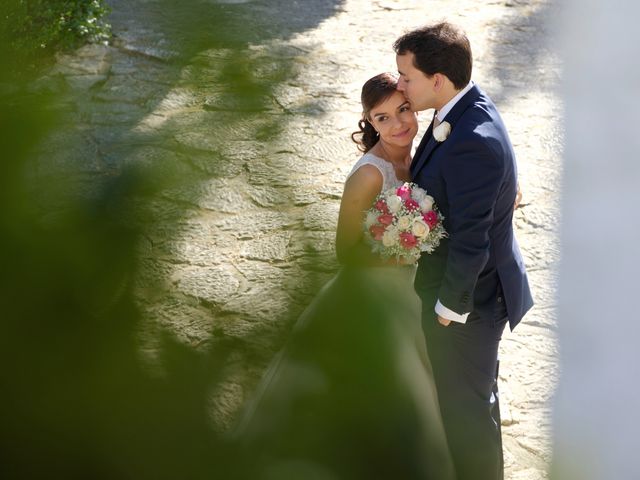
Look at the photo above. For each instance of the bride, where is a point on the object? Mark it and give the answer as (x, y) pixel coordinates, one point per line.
(351, 395)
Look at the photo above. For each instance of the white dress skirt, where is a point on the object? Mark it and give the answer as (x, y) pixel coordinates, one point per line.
(351, 395)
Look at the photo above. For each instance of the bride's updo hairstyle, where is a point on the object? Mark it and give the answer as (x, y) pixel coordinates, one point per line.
(375, 91)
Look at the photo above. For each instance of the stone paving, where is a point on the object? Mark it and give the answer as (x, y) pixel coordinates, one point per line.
(242, 232)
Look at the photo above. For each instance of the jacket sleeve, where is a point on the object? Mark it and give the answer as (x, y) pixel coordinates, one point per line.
(473, 174)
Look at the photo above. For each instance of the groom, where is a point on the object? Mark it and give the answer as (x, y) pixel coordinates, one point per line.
(475, 282)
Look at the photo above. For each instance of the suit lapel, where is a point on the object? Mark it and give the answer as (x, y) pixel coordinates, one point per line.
(426, 138)
(425, 149)
(421, 157)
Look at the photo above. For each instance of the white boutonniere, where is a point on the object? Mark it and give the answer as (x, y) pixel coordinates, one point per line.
(442, 131)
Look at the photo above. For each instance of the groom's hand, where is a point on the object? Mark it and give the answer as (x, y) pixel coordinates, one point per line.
(518, 197)
(443, 321)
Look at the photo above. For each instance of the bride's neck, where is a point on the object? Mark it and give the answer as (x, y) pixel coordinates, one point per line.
(392, 153)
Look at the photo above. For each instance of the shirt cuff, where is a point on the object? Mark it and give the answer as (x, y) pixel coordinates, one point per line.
(444, 312)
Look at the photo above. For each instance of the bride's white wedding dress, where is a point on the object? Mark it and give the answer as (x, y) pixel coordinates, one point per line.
(351, 395)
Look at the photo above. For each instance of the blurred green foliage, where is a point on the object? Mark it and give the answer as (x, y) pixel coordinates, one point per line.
(78, 397)
(36, 28)
(77, 400)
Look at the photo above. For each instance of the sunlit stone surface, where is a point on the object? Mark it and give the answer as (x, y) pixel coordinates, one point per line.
(241, 235)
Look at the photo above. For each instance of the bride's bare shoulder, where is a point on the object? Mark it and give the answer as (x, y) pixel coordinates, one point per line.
(365, 177)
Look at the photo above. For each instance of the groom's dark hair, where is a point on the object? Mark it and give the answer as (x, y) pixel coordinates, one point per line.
(440, 48)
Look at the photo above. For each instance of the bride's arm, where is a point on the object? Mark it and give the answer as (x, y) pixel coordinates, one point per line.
(360, 191)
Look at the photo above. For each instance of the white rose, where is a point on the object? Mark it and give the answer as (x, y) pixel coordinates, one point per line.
(426, 204)
(404, 222)
(371, 219)
(390, 237)
(442, 131)
(419, 228)
(394, 202)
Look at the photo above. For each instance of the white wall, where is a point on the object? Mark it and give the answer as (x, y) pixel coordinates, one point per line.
(597, 407)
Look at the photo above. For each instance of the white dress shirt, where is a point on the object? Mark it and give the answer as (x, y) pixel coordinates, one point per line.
(450, 104)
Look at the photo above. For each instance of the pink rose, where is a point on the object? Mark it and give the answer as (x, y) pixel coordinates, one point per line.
(411, 205)
(376, 231)
(381, 206)
(404, 192)
(385, 219)
(430, 218)
(408, 240)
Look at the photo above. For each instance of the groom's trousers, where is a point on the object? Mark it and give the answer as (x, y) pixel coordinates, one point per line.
(465, 366)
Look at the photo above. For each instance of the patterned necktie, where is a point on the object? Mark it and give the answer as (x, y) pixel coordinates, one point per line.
(436, 121)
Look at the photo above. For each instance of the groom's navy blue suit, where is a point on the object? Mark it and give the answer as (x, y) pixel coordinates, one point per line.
(477, 270)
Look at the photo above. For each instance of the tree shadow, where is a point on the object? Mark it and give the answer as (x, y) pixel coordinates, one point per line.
(519, 45)
(195, 146)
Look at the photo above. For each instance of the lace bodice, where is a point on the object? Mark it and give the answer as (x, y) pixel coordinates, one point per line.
(389, 179)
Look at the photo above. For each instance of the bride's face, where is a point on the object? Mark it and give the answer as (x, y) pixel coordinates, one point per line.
(394, 120)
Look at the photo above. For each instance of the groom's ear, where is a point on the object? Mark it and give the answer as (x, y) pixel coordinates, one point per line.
(438, 81)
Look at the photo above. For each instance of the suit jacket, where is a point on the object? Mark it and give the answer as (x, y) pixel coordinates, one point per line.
(472, 176)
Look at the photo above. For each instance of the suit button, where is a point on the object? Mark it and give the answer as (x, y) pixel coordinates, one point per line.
(499, 299)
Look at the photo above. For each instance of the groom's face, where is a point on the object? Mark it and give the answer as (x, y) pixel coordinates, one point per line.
(416, 86)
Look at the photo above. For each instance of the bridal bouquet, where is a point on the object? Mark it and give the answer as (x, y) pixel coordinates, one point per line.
(404, 222)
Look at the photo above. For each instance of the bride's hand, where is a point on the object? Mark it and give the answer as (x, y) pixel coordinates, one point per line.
(518, 197)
